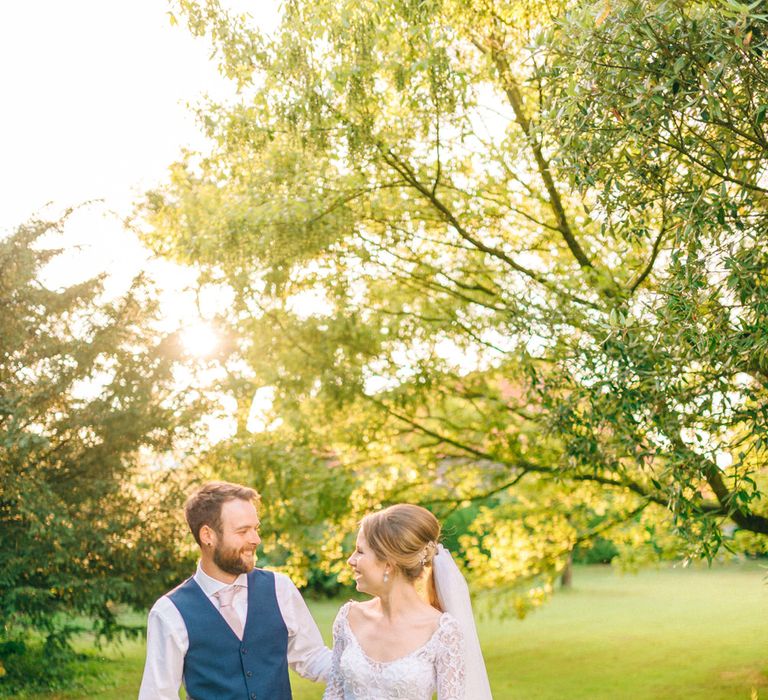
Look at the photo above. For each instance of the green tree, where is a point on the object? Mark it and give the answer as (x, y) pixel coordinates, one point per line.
(511, 250)
(88, 401)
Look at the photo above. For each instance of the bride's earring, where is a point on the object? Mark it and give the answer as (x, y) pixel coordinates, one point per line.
(386, 575)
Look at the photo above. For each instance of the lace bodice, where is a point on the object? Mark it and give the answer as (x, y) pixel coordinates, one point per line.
(437, 665)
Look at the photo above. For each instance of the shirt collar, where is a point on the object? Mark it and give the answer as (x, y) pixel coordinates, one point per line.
(212, 586)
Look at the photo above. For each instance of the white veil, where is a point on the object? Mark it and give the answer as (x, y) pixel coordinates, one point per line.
(453, 594)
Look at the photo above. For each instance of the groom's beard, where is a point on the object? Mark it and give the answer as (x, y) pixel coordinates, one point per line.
(233, 560)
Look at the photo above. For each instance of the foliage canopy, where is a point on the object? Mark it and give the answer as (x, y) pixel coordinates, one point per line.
(503, 252)
(88, 394)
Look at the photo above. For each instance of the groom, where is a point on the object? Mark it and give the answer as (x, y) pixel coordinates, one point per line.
(231, 631)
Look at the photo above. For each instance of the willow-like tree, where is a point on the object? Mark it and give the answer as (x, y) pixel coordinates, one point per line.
(498, 250)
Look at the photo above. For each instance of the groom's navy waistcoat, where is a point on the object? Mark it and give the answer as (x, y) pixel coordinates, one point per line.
(219, 666)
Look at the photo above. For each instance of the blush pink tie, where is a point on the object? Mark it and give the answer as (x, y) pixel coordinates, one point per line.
(227, 610)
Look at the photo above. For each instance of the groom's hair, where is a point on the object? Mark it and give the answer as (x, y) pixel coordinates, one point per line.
(203, 507)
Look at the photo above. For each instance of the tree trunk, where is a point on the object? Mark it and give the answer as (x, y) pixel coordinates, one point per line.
(566, 577)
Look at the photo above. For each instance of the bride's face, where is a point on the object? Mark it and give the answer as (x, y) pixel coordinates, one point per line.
(368, 570)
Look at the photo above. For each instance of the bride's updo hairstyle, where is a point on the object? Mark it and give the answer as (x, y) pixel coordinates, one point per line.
(405, 536)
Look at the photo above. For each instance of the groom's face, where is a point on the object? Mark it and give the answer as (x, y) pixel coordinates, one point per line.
(235, 546)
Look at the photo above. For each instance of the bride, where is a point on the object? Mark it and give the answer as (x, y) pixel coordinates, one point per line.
(397, 645)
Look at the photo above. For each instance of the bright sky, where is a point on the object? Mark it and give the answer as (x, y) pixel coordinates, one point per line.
(95, 96)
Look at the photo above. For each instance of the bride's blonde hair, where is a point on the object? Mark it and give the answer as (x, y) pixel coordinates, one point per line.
(405, 536)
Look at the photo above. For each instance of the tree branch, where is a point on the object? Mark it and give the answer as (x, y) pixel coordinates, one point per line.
(654, 253)
(525, 465)
(516, 100)
(409, 175)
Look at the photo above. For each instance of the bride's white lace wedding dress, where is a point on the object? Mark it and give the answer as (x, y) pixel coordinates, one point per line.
(438, 666)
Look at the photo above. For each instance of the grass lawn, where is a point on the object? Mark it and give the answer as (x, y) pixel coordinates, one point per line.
(673, 633)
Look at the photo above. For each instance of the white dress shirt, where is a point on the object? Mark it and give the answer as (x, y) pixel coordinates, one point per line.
(167, 639)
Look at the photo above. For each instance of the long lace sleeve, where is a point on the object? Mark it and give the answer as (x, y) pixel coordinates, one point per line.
(450, 661)
(335, 688)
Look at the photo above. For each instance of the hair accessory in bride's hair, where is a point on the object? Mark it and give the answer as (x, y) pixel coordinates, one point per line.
(428, 553)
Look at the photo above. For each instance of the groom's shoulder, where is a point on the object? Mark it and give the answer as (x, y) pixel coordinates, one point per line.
(186, 583)
(281, 580)
(165, 601)
(164, 606)
(258, 574)
(169, 594)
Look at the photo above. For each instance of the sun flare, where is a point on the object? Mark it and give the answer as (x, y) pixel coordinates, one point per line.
(199, 339)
